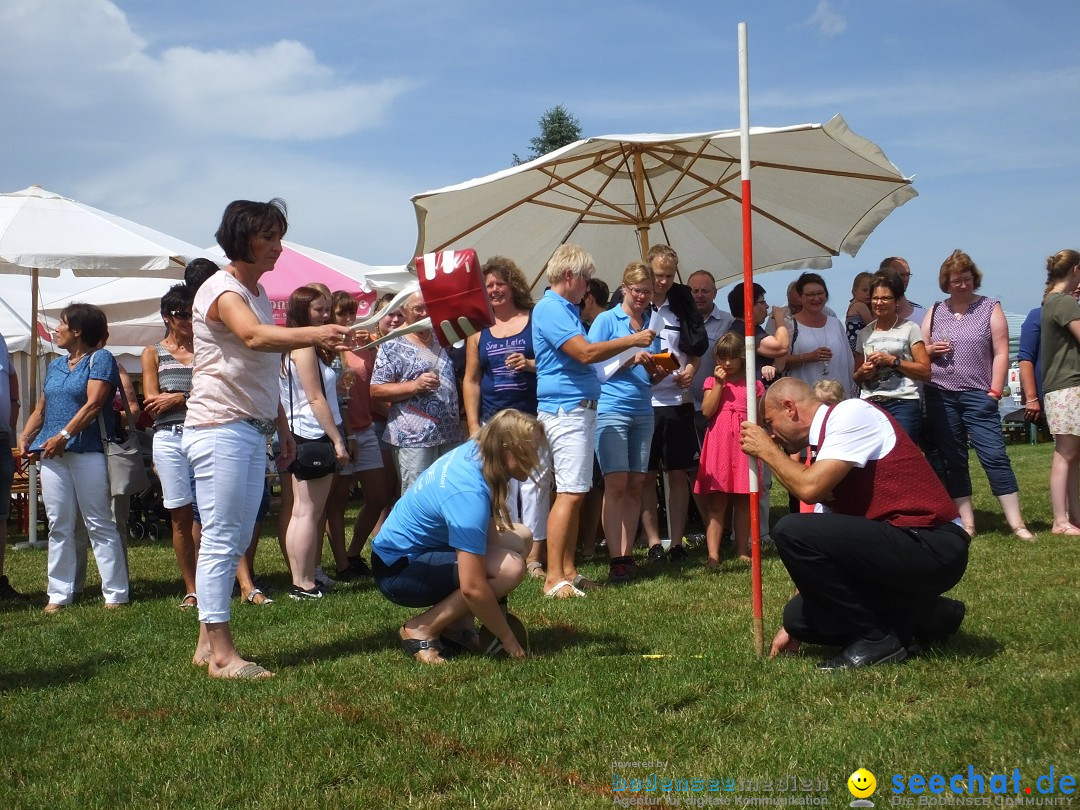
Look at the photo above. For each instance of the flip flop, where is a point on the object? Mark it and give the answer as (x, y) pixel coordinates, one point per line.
(535, 569)
(466, 641)
(248, 672)
(250, 598)
(185, 604)
(553, 591)
(492, 647)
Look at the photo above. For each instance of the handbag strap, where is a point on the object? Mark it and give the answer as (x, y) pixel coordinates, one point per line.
(123, 399)
(288, 370)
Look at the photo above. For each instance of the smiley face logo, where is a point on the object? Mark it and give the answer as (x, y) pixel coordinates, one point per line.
(861, 783)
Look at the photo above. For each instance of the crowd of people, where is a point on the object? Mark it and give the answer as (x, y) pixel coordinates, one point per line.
(483, 465)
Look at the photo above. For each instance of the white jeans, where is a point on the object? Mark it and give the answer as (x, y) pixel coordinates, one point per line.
(230, 467)
(529, 501)
(70, 484)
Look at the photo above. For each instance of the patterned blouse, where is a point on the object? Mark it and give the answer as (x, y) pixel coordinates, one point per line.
(174, 378)
(970, 364)
(429, 419)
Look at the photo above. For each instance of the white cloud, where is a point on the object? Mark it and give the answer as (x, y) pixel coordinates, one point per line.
(828, 22)
(65, 55)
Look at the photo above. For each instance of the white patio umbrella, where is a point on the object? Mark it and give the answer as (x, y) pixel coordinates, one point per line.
(42, 233)
(819, 189)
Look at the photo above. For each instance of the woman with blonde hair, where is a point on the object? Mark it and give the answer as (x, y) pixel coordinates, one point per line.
(1060, 351)
(449, 542)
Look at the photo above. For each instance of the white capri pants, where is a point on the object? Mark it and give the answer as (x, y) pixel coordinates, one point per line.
(70, 484)
(230, 468)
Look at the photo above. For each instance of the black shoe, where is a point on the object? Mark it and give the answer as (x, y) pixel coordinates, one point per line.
(302, 595)
(865, 653)
(944, 619)
(656, 554)
(677, 554)
(358, 566)
(8, 593)
(618, 573)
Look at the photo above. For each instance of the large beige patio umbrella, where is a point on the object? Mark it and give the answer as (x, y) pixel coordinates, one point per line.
(42, 233)
(819, 189)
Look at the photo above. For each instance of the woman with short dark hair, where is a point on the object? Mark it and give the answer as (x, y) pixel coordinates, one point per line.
(65, 431)
(235, 405)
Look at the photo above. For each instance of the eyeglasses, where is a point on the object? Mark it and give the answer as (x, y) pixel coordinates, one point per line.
(420, 310)
(813, 295)
(761, 303)
(905, 276)
(638, 291)
(963, 281)
(181, 314)
(881, 299)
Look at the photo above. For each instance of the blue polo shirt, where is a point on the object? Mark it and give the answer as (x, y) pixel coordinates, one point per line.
(447, 508)
(65, 395)
(561, 381)
(628, 389)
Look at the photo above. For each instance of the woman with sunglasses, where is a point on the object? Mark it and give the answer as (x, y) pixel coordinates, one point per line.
(166, 377)
(967, 339)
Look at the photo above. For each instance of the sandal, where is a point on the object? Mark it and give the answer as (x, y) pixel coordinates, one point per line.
(585, 584)
(535, 569)
(1023, 533)
(465, 640)
(554, 590)
(190, 600)
(415, 647)
(255, 592)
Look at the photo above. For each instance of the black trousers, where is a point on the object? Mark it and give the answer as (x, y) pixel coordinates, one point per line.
(860, 578)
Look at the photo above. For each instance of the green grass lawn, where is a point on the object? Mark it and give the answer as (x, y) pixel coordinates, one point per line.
(103, 708)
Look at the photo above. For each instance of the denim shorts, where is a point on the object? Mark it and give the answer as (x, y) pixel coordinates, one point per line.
(623, 441)
(426, 581)
(570, 436)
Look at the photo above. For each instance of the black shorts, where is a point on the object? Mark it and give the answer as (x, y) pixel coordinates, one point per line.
(675, 440)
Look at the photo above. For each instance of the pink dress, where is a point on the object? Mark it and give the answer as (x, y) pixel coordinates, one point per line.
(724, 466)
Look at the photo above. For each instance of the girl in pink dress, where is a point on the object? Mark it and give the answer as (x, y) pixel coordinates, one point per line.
(724, 471)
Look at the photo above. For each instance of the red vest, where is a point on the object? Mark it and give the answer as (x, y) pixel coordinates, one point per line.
(900, 488)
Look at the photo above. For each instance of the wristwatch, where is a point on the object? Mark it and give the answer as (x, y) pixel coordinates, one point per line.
(896, 362)
(65, 434)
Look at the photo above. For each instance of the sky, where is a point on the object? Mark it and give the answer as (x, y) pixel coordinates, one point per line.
(165, 111)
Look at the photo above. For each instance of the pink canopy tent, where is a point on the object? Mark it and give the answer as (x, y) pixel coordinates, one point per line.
(299, 265)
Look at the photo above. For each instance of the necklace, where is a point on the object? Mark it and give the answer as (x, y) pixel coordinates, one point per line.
(895, 321)
(821, 342)
(74, 361)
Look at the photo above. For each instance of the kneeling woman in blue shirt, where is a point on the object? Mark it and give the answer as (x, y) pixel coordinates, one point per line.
(449, 542)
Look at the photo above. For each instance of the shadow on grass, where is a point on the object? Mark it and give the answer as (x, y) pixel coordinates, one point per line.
(37, 678)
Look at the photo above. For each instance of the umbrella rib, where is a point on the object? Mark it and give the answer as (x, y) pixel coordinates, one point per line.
(883, 178)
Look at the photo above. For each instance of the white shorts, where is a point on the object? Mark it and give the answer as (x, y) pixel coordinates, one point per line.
(571, 437)
(368, 455)
(172, 469)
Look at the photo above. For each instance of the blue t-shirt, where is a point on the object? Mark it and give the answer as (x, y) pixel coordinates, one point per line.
(628, 389)
(1030, 348)
(447, 508)
(65, 394)
(561, 381)
(500, 386)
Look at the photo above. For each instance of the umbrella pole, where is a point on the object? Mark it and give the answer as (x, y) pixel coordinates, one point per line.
(748, 322)
(32, 484)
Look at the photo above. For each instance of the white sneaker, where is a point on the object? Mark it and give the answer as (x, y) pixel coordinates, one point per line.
(323, 581)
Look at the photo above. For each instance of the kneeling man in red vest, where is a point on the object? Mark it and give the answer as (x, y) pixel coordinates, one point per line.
(871, 565)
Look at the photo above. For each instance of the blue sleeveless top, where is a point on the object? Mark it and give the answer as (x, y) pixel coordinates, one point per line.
(502, 387)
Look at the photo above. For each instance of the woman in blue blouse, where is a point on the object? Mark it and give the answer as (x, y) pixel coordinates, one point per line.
(624, 417)
(64, 432)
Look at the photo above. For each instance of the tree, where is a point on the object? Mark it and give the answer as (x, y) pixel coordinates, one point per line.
(557, 128)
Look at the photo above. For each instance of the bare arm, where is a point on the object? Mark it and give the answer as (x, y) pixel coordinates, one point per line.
(477, 593)
(710, 403)
(33, 425)
(809, 484)
(233, 311)
(470, 385)
(999, 334)
(98, 394)
(777, 344)
(13, 387)
(584, 352)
